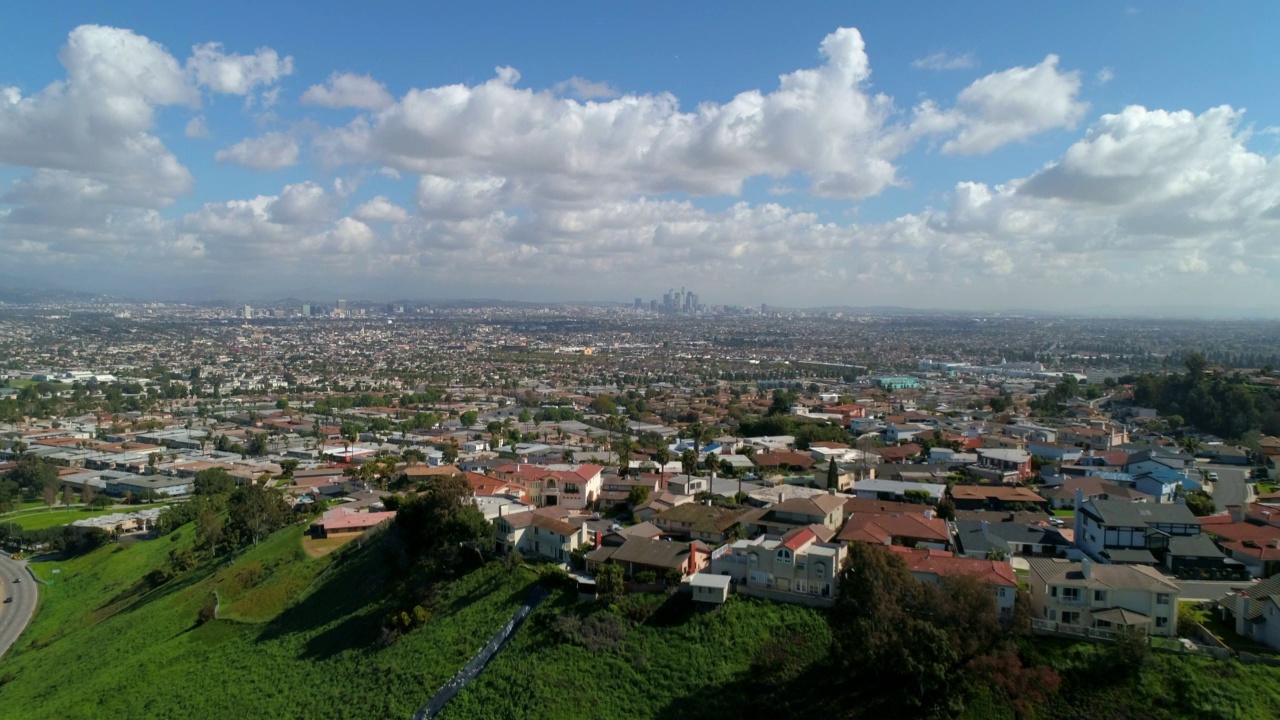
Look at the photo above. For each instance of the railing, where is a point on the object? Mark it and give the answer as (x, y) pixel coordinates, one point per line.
(1048, 627)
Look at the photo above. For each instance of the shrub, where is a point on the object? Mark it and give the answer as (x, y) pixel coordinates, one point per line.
(603, 631)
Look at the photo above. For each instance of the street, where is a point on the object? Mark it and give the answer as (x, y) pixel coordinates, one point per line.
(15, 615)
(1232, 487)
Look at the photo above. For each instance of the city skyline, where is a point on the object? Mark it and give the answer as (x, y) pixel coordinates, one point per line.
(847, 161)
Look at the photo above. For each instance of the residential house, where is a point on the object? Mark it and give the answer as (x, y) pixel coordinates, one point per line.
(795, 566)
(779, 519)
(917, 527)
(576, 487)
(1255, 612)
(637, 555)
(708, 523)
(1063, 496)
(933, 565)
(996, 497)
(1127, 532)
(898, 490)
(1086, 594)
(537, 534)
(1006, 461)
(1250, 536)
(1098, 436)
(348, 521)
(786, 460)
(981, 539)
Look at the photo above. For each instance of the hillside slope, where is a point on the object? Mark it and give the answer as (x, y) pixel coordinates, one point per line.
(103, 644)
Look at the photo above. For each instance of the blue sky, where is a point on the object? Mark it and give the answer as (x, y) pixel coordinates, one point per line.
(897, 179)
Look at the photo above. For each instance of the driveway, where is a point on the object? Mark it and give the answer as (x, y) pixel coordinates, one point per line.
(15, 615)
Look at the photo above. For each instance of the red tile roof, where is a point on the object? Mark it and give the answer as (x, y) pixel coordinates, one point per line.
(931, 562)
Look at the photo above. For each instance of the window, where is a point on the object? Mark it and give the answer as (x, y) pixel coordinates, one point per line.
(1070, 618)
(1162, 622)
(753, 559)
(1070, 594)
(1053, 591)
(1162, 598)
(1099, 595)
(818, 569)
(784, 556)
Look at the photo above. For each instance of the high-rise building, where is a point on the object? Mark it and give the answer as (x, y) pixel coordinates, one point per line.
(248, 312)
(306, 311)
(639, 303)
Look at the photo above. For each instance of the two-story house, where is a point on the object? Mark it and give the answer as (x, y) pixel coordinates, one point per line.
(575, 487)
(1006, 460)
(1119, 531)
(779, 519)
(533, 533)
(1086, 594)
(794, 564)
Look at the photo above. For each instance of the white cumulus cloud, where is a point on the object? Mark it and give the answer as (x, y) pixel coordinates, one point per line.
(273, 151)
(348, 90)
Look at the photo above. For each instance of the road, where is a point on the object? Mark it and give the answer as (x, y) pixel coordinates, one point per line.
(1232, 487)
(14, 616)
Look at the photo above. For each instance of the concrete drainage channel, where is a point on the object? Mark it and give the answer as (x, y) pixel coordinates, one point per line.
(477, 664)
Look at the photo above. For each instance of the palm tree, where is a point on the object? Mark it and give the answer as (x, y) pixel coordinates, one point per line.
(710, 464)
(663, 456)
(689, 461)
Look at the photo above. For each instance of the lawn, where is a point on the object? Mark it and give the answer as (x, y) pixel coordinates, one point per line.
(323, 546)
(41, 519)
(1064, 512)
(301, 638)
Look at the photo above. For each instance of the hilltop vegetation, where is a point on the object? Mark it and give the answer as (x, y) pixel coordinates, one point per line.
(301, 636)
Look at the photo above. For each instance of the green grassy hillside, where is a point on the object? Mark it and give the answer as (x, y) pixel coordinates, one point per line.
(104, 645)
(299, 638)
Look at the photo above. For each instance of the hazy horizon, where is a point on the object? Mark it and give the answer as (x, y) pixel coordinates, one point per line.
(1100, 161)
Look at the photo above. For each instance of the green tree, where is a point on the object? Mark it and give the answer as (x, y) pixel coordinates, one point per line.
(213, 481)
(689, 461)
(610, 583)
(638, 495)
(254, 512)
(603, 405)
(441, 520)
(833, 475)
(469, 418)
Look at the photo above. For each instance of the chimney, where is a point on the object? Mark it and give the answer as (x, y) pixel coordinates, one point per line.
(598, 534)
(1236, 512)
(693, 559)
(928, 513)
(1243, 602)
(1086, 568)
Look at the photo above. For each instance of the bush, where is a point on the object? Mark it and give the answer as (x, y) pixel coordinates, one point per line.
(647, 577)
(554, 576)
(603, 631)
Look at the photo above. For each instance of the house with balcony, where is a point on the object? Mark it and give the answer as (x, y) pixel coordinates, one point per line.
(537, 534)
(576, 487)
(794, 567)
(1006, 461)
(1090, 596)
